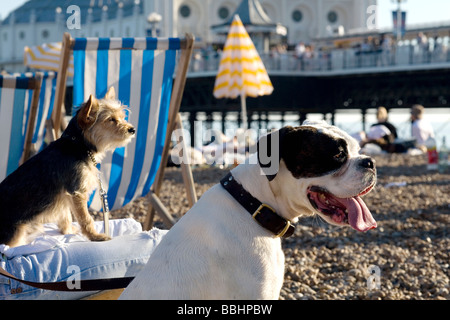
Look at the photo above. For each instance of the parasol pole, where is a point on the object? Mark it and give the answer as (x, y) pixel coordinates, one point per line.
(244, 111)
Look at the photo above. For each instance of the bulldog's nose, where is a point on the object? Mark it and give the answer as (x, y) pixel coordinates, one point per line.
(132, 130)
(368, 163)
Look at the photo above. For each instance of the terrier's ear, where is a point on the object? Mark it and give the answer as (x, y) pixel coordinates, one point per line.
(111, 94)
(88, 113)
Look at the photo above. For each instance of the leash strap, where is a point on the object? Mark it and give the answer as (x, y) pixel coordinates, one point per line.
(104, 198)
(81, 285)
(103, 195)
(262, 213)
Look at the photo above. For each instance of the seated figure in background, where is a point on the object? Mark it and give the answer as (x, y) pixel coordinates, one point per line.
(383, 133)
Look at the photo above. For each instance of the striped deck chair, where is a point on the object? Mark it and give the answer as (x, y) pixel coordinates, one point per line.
(44, 112)
(19, 98)
(142, 72)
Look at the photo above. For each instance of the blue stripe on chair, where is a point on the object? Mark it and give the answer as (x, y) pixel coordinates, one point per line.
(16, 148)
(45, 108)
(174, 43)
(79, 60)
(91, 197)
(103, 43)
(152, 43)
(124, 96)
(22, 82)
(169, 68)
(52, 98)
(148, 58)
(41, 110)
(101, 86)
(80, 44)
(127, 43)
(125, 77)
(27, 108)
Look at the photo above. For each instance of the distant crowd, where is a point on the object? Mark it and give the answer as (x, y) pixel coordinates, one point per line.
(371, 51)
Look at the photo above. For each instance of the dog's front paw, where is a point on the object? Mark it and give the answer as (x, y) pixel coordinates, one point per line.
(69, 229)
(99, 237)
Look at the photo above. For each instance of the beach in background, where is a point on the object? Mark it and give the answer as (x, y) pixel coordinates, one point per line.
(350, 121)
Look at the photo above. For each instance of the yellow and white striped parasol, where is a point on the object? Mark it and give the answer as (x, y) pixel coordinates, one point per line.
(241, 70)
(45, 57)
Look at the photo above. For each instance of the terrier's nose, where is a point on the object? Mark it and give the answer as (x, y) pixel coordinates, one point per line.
(368, 163)
(132, 130)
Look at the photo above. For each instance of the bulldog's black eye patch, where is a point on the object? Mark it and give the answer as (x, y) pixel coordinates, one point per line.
(307, 152)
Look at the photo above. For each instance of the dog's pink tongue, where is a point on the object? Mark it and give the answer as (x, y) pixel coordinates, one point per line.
(359, 215)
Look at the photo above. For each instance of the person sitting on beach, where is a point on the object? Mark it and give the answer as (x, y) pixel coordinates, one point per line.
(382, 117)
(382, 133)
(421, 130)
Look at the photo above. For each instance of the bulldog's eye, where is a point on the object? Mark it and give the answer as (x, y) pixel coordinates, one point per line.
(113, 120)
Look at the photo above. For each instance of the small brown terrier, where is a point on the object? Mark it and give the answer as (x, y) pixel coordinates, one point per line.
(56, 183)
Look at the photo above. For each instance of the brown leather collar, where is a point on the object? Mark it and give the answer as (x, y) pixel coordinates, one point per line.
(262, 213)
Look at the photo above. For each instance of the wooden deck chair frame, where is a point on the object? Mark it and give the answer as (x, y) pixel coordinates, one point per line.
(34, 83)
(174, 122)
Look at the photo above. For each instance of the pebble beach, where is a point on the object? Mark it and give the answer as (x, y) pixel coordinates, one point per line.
(406, 257)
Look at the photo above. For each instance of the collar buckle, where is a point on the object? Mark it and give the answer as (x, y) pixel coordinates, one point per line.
(260, 219)
(285, 229)
(262, 206)
(262, 213)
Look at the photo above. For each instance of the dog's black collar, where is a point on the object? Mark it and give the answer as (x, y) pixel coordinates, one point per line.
(262, 213)
(73, 138)
(74, 134)
(91, 156)
(79, 141)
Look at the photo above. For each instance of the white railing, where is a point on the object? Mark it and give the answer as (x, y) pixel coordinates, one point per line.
(404, 54)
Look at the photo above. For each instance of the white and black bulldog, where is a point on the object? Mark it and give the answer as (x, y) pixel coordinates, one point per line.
(228, 245)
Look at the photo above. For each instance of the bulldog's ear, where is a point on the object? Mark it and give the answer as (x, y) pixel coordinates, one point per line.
(111, 94)
(269, 148)
(88, 113)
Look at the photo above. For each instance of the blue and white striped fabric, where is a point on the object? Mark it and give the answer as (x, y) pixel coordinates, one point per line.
(15, 99)
(45, 108)
(141, 72)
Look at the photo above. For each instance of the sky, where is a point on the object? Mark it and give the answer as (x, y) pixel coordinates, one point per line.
(418, 11)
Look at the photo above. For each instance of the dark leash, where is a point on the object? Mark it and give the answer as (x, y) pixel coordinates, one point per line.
(103, 195)
(262, 213)
(75, 285)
